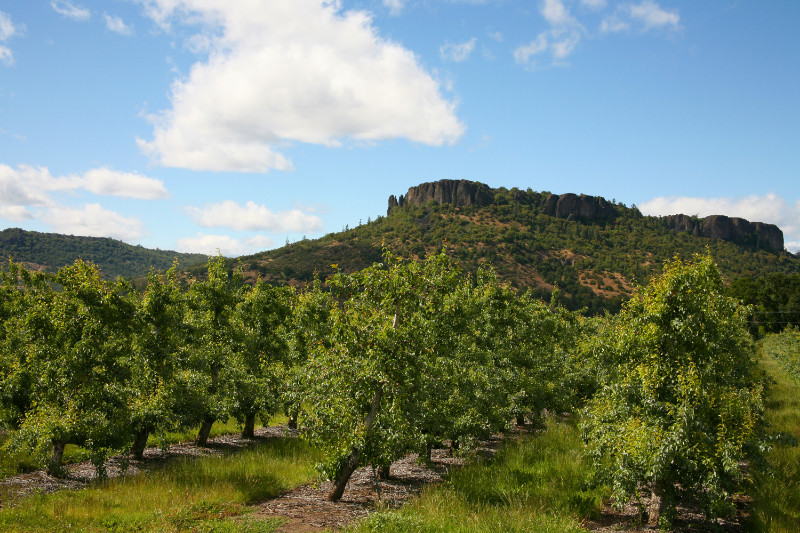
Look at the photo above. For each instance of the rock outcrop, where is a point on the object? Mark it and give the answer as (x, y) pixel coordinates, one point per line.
(456, 192)
(738, 230)
(571, 206)
(585, 208)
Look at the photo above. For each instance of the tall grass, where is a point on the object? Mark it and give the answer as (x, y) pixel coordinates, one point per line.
(535, 484)
(206, 494)
(776, 491)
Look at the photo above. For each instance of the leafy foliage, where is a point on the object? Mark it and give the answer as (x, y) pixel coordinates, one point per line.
(682, 403)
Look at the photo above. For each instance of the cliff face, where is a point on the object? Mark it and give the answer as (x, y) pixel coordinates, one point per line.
(572, 206)
(738, 230)
(456, 192)
(593, 208)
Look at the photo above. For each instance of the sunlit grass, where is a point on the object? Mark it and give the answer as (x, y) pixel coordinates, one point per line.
(206, 494)
(776, 491)
(535, 484)
(15, 463)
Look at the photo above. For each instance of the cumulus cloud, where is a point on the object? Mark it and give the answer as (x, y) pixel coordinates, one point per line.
(290, 71)
(28, 192)
(252, 216)
(7, 30)
(93, 221)
(204, 243)
(117, 25)
(32, 186)
(70, 10)
(457, 52)
(109, 182)
(769, 208)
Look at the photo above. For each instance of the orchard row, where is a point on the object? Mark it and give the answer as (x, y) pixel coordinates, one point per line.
(392, 359)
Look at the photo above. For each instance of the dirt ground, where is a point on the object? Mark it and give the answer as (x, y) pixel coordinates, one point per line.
(306, 509)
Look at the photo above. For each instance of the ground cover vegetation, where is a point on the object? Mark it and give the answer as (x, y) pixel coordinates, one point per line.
(391, 359)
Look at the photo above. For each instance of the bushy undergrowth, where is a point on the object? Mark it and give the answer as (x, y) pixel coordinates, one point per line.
(209, 494)
(776, 490)
(534, 484)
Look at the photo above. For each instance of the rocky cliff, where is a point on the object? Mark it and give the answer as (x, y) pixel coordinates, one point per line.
(571, 206)
(456, 192)
(590, 209)
(738, 230)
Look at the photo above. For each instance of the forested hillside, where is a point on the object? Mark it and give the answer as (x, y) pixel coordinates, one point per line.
(51, 251)
(594, 260)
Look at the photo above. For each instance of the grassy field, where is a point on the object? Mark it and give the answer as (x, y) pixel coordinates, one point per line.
(534, 484)
(776, 490)
(206, 495)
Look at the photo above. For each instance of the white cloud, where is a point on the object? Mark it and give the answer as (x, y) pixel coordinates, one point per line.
(108, 182)
(15, 213)
(457, 52)
(93, 221)
(290, 71)
(31, 186)
(769, 208)
(646, 15)
(70, 10)
(556, 13)
(117, 25)
(651, 15)
(252, 216)
(395, 6)
(203, 243)
(7, 30)
(525, 54)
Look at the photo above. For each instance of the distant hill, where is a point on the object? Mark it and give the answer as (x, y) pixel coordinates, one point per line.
(51, 251)
(594, 250)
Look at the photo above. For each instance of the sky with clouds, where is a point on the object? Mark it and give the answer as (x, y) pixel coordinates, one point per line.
(197, 125)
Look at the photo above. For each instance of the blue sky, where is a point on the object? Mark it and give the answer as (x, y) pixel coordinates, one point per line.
(197, 125)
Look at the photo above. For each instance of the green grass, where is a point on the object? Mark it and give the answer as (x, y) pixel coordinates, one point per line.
(208, 494)
(776, 492)
(535, 484)
(18, 462)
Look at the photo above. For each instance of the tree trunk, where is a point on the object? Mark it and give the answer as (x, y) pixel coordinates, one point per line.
(205, 430)
(292, 424)
(248, 432)
(384, 472)
(139, 443)
(352, 460)
(655, 507)
(54, 468)
(520, 420)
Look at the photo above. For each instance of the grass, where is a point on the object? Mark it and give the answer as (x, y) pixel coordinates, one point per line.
(776, 491)
(209, 494)
(19, 462)
(534, 484)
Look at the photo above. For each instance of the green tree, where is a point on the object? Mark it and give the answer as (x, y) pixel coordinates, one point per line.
(260, 321)
(75, 351)
(157, 402)
(213, 342)
(682, 406)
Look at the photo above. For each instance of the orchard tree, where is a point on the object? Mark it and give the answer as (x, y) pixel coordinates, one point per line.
(75, 352)
(15, 380)
(260, 322)
(211, 360)
(362, 387)
(157, 401)
(682, 408)
(308, 329)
